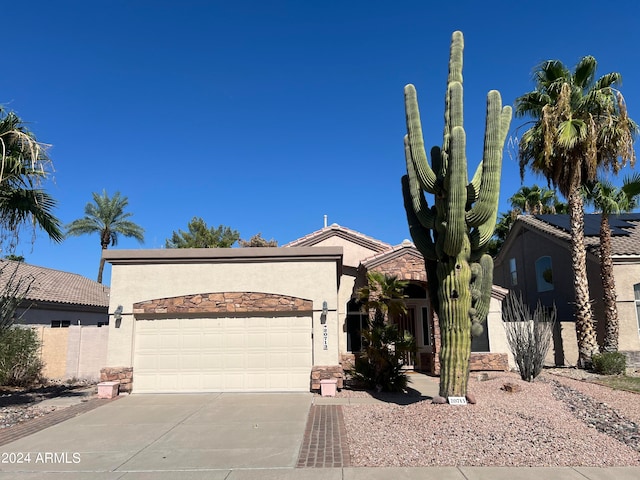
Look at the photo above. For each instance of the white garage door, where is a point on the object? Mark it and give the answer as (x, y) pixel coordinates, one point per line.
(222, 354)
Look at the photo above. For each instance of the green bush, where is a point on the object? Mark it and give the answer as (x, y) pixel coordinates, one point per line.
(380, 364)
(610, 363)
(20, 363)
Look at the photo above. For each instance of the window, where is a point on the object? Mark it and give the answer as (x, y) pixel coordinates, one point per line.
(60, 323)
(513, 271)
(636, 294)
(544, 274)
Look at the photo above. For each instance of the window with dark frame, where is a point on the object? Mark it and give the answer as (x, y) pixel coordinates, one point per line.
(60, 323)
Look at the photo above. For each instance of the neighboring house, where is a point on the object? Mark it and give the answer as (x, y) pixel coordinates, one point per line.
(55, 298)
(536, 260)
(262, 319)
(66, 309)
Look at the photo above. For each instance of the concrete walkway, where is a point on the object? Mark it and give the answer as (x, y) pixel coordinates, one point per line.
(223, 436)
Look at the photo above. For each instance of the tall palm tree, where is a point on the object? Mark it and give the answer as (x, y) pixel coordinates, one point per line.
(24, 164)
(580, 125)
(107, 218)
(611, 200)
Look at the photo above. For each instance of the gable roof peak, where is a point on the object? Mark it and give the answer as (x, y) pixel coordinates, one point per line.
(337, 230)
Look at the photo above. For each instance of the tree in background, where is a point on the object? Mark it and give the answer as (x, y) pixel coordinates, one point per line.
(611, 200)
(534, 200)
(580, 124)
(257, 241)
(199, 235)
(106, 216)
(24, 166)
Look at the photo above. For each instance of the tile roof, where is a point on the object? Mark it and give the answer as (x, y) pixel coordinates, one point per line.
(56, 286)
(625, 239)
(397, 250)
(347, 233)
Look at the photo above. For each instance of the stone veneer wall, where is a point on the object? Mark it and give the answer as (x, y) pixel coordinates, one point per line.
(224, 302)
(326, 372)
(124, 375)
(405, 267)
(481, 361)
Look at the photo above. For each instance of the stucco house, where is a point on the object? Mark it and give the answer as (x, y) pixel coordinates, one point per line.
(262, 319)
(69, 312)
(536, 260)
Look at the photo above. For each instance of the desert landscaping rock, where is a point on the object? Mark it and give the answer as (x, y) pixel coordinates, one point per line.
(536, 427)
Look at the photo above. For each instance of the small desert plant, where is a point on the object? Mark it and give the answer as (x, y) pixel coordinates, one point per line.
(529, 335)
(20, 363)
(610, 363)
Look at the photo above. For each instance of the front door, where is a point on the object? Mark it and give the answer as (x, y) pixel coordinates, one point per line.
(407, 323)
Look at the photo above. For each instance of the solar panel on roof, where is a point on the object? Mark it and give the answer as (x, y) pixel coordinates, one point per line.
(592, 223)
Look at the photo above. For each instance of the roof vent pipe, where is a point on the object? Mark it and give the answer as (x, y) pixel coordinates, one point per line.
(325, 221)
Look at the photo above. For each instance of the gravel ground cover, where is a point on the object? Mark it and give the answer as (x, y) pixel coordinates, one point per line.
(19, 405)
(554, 421)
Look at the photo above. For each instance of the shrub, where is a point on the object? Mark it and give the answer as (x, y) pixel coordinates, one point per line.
(20, 363)
(379, 366)
(529, 335)
(609, 363)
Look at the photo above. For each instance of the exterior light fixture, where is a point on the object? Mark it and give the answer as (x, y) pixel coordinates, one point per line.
(325, 310)
(117, 315)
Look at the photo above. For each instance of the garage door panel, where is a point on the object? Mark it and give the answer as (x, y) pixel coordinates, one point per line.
(222, 354)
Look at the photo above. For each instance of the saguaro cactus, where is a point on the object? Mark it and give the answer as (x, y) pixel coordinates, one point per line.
(452, 235)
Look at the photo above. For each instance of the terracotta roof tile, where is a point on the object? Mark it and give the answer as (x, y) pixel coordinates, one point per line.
(56, 286)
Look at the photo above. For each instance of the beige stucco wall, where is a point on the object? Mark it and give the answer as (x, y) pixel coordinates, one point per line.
(87, 352)
(74, 352)
(54, 343)
(627, 275)
(353, 253)
(497, 334)
(314, 277)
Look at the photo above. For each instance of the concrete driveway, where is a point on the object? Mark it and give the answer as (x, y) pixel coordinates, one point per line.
(150, 434)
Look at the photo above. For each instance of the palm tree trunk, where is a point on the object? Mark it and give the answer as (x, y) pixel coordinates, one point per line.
(101, 267)
(585, 331)
(609, 287)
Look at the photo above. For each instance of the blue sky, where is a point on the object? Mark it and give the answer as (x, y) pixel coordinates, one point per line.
(266, 115)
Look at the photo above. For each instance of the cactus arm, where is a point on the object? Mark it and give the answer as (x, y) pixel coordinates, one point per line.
(455, 75)
(419, 204)
(487, 203)
(473, 189)
(418, 233)
(455, 57)
(426, 176)
(482, 284)
(455, 184)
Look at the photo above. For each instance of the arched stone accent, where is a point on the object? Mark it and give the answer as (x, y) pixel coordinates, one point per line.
(405, 267)
(224, 302)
